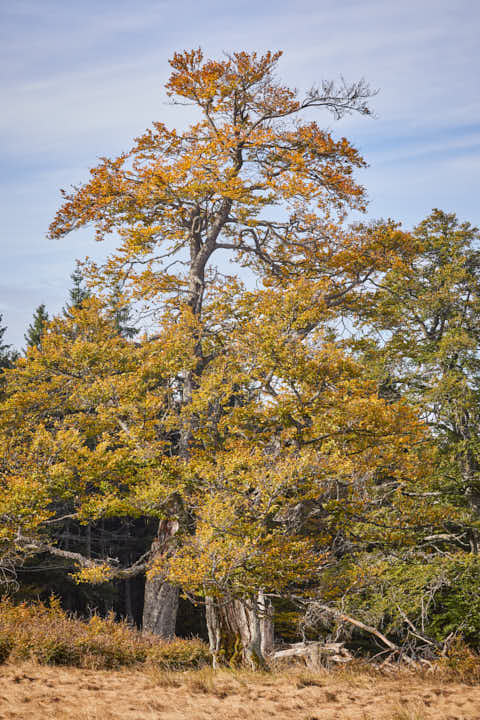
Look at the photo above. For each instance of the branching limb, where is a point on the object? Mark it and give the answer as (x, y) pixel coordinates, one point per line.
(27, 544)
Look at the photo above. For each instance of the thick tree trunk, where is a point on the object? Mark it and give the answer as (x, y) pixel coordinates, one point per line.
(267, 627)
(471, 472)
(240, 631)
(160, 607)
(161, 598)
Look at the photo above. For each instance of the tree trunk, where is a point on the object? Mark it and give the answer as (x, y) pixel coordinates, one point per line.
(267, 627)
(240, 631)
(160, 607)
(161, 598)
(471, 472)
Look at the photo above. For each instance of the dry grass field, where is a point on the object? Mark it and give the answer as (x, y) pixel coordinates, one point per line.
(57, 667)
(34, 692)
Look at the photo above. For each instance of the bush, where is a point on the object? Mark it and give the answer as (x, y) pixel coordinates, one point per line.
(437, 595)
(179, 654)
(460, 663)
(49, 636)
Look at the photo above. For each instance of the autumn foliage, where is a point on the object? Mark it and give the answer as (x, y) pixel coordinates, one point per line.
(258, 422)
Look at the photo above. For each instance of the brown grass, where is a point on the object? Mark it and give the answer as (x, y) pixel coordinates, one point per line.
(49, 636)
(39, 692)
(57, 667)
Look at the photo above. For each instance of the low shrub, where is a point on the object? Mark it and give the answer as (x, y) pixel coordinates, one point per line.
(50, 636)
(178, 654)
(460, 663)
(418, 602)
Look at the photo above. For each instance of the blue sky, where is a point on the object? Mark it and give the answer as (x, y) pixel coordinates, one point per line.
(80, 80)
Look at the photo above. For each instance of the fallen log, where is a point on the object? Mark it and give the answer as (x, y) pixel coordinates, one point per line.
(315, 653)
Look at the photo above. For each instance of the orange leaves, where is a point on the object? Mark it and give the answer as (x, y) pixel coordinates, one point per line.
(214, 84)
(243, 406)
(248, 176)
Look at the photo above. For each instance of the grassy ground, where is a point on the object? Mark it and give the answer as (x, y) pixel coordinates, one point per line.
(39, 692)
(54, 667)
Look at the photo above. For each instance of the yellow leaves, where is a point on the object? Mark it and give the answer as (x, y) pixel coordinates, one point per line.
(213, 83)
(96, 574)
(24, 504)
(233, 560)
(287, 436)
(240, 405)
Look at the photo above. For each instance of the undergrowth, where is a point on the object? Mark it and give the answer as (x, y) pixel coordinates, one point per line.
(49, 636)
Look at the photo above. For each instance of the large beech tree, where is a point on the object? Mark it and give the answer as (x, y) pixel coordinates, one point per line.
(292, 452)
(250, 177)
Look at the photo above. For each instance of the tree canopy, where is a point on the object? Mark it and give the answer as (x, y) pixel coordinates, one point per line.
(278, 432)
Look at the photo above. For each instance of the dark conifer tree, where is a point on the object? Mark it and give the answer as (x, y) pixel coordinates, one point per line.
(35, 330)
(7, 355)
(122, 314)
(78, 292)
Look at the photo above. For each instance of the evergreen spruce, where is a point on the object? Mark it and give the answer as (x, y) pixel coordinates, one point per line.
(35, 330)
(77, 293)
(7, 356)
(121, 314)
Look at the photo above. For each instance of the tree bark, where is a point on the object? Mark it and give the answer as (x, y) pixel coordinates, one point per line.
(267, 627)
(240, 631)
(161, 598)
(160, 607)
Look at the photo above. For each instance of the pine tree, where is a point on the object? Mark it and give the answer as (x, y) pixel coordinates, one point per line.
(35, 330)
(121, 313)
(78, 293)
(7, 356)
